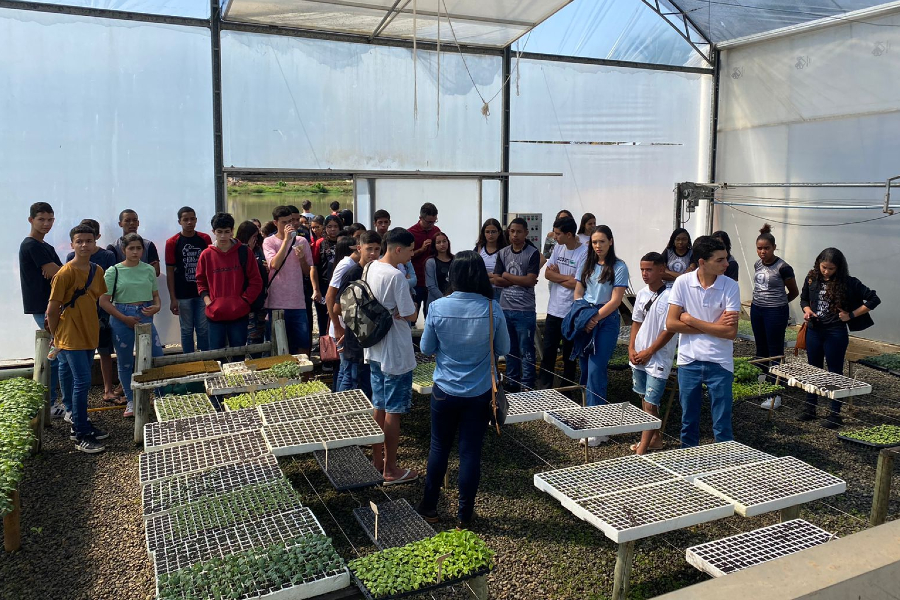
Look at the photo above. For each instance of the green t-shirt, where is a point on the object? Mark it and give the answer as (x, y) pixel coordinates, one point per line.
(134, 284)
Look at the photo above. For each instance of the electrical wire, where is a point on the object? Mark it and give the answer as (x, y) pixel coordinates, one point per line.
(761, 218)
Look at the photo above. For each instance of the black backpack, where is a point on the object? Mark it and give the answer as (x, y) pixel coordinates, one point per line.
(363, 314)
(260, 302)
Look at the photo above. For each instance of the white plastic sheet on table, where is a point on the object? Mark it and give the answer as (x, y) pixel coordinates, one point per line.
(100, 115)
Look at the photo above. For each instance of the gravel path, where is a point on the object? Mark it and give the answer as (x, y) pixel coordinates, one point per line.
(83, 536)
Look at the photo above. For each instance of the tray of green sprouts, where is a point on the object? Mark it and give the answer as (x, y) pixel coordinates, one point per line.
(879, 436)
(746, 384)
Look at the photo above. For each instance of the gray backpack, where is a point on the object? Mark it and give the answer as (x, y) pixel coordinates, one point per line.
(363, 314)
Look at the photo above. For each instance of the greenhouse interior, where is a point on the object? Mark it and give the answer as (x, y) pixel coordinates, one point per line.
(235, 474)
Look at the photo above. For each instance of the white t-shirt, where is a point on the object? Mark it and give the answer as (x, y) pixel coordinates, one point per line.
(395, 352)
(707, 305)
(569, 262)
(653, 323)
(336, 279)
(490, 260)
(585, 239)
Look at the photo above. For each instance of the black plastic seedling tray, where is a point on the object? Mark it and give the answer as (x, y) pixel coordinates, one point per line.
(877, 367)
(869, 444)
(422, 590)
(349, 469)
(398, 524)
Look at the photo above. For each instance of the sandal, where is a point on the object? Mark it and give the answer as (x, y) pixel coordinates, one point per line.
(408, 477)
(110, 397)
(634, 447)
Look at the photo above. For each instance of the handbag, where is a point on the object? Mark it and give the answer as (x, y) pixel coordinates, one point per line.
(328, 351)
(800, 344)
(499, 402)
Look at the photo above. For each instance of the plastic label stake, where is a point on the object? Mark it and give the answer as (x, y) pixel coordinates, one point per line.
(252, 389)
(325, 446)
(282, 382)
(440, 563)
(374, 508)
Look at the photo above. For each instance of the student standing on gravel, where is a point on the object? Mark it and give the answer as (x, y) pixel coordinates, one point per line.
(132, 298)
(248, 234)
(73, 322)
(704, 306)
(392, 359)
(423, 233)
(182, 253)
(323, 268)
(566, 261)
(774, 287)
(651, 348)
(38, 263)
(458, 332)
(129, 222)
(346, 256)
(833, 302)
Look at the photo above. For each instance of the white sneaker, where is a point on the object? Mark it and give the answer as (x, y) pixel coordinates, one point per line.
(767, 403)
(68, 416)
(57, 411)
(593, 442)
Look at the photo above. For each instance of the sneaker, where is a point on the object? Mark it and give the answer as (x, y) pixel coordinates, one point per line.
(97, 434)
(767, 403)
(89, 445)
(129, 410)
(58, 411)
(593, 442)
(68, 416)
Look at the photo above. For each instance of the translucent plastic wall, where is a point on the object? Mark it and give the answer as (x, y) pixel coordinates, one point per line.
(99, 115)
(823, 106)
(621, 137)
(196, 9)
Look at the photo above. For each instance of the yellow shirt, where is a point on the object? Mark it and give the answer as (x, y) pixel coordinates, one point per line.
(79, 326)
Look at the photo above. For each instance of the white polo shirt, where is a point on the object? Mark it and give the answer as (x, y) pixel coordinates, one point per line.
(707, 305)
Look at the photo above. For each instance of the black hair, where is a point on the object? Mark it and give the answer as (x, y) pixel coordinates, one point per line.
(294, 210)
(256, 222)
(245, 231)
(608, 273)
(280, 211)
(80, 228)
(356, 227)
(181, 211)
(655, 257)
(381, 214)
(125, 212)
(565, 224)
(306, 204)
(723, 237)
(399, 236)
(319, 219)
(468, 274)
(482, 239)
(765, 233)
(222, 220)
(334, 218)
(566, 212)
(335, 205)
(428, 210)
(132, 238)
(39, 207)
(836, 287)
(345, 246)
(268, 229)
(704, 247)
(675, 234)
(370, 236)
(346, 216)
(518, 221)
(584, 219)
(434, 245)
(95, 225)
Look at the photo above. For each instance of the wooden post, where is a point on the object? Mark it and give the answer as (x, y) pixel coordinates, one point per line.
(624, 559)
(882, 496)
(12, 526)
(662, 426)
(143, 334)
(447, 478)
(789, 513)
(279, 334)
(42, 373)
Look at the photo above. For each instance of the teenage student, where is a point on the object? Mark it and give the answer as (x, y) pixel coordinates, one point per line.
(833, 302)
(774, 287)
(588, 223)
(132, 298)
(290, 258)
(73, 323)
(678, 255)
(566, 261)
(323, 268)
(704, 307)
(382, 221)
(424, 233)
(307, 210)
(651, 348)
(346, 256)
(437, 269)
(248, 234)
(392, 359)
(182, 253)
(516, 274)
(227, 287)
(335, 207)
(550, 241)
(129, 222)
(38, 263)
(733, 269)
(458, 331)
(490, 241)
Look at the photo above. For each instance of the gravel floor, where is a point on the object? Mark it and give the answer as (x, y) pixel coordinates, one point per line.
(83, 536)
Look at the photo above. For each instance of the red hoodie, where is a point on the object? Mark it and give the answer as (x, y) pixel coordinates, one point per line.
(219, 276)
(420, 235)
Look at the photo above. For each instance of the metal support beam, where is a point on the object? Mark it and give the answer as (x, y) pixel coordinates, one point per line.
(505, 73)
(682, 24)
(603, 62)
(218, 142)
(388, 17)
(369, 174)
(713, 137)
(84, 11)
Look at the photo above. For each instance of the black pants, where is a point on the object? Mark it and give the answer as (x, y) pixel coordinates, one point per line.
(827, 345)
(552, 338)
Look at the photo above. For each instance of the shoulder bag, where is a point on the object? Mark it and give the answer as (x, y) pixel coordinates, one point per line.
(499, 402)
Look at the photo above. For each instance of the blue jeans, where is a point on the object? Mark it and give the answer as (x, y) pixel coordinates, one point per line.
(648, 387)
(827, 345)
(125, 343)
(769, 324)
(192, 316)
(718, 382)
(354, 375)
(593, 366)
(297, 326)
(468, 416)
(54, 371)
(228, 333)
(391, 393)
(520, 360)
(75, 381)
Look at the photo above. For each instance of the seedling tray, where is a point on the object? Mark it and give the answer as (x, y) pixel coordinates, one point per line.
(642, 512)
(604, 419)
(424, 359)
(531, 406)
(872, 364)
(709, 458)
(303, 389)
(235, 367)
(398, 524)
(200, 456)
(819, 381)
(894, 443)
(423, 378)
(166, 494)
(334, 431)
(762, 487)
(752, 548)
(422, 590)
(318, 405)
(237, 383)
(348, 468)
(169, 408)
(158, 436)
(267, 362)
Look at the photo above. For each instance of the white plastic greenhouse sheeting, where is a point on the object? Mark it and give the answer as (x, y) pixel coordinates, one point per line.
(815, 107)
(197, 9)
(300, 103)
(621, 137)
(90, 110)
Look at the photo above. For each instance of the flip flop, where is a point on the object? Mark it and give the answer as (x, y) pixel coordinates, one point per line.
(405, 478)
(634, 447)
(110, 398)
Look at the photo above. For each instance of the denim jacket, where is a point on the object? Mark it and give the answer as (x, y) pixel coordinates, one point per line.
(573, 326)
(456, 331)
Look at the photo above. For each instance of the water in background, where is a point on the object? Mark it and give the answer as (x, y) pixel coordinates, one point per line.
(259, 206)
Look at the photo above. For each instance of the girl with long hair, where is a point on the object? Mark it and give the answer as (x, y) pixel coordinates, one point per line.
(677, 255)
(733, 269)
(437, 269)
(588, 223)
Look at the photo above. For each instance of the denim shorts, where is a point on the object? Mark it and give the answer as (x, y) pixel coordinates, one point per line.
(391, 393)
(650, 388)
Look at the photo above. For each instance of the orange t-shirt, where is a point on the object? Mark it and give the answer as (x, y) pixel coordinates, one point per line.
(79, 326)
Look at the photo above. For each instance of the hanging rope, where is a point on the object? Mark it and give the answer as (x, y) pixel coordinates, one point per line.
(415, 66)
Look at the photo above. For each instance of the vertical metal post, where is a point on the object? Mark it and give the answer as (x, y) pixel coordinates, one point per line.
(504, 132)
(788, 514)
(42, 374)
(218, 143)
(713, 137)
(676, 221)
(480, 204)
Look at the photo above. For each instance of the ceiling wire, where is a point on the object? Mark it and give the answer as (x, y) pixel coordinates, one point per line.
(805, 224)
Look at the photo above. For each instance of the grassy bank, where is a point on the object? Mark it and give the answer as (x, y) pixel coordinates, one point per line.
(301, 188)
